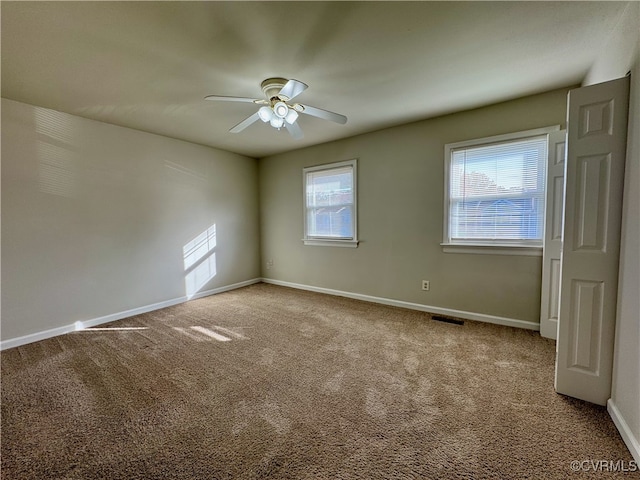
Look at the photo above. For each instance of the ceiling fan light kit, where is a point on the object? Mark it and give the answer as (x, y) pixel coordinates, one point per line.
(277, 122)
(265, 114)
(276, 111)
(291, 117)
(280, 109)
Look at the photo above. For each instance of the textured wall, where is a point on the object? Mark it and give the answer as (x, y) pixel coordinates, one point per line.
(400, 202)
(96, 218)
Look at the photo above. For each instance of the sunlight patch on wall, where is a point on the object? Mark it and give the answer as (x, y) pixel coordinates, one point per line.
(199, 261)
(57, 167)
(57, 170)
(199, 276)
(182, 169)
(55, 125)
(199, 246)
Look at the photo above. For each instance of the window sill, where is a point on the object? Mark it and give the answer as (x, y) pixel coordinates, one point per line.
(318, 242)
(485, 249)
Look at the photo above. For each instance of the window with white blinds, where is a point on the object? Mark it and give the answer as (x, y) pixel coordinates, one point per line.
(330, 204)
(496, 192)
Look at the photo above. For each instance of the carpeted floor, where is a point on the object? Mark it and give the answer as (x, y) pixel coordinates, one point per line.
(270, 382)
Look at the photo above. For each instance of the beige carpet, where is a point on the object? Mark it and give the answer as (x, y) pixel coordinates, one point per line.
(270, 382)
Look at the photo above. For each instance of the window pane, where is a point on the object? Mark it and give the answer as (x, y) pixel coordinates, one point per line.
(329, 203)
(330, 187)
(334, 222)
(505, 219)
(497, 191)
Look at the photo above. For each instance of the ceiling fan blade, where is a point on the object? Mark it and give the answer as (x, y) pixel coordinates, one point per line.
(294, 129)
(221, 98)
(320, 113)
(245, 123)
(292, 89)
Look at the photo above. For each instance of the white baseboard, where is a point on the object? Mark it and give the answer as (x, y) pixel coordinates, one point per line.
(481, 317)
(34, 337)
(226, 288)
(630, 440)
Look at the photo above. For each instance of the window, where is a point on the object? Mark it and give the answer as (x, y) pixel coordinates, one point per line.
(495, 193)
(330, 204)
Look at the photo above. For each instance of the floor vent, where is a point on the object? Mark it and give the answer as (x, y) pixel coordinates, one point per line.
(440, 318)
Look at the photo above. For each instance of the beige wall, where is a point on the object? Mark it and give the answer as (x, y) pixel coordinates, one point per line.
(95, 218)
(400, 195)
(620, 55)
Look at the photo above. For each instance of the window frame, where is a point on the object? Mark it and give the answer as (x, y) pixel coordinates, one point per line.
(316, 240)
(499, 247)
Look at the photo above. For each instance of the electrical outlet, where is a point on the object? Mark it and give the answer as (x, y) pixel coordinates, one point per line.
(425, 284)
(269, 264)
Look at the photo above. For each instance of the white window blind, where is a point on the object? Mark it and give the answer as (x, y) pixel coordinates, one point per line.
(330, 202)
(496, 192)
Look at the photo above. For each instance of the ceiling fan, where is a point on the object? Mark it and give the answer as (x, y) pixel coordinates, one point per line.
(277, 110)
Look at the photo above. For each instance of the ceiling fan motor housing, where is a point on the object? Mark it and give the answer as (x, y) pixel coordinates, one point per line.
(272, 86)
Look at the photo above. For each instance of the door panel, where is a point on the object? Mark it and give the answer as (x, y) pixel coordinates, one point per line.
(550, 301)
(596, 144)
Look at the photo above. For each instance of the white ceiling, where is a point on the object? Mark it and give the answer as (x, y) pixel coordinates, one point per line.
(148, 65)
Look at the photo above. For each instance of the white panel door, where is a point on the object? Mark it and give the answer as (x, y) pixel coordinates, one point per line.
(554, 208)
(596, 144)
